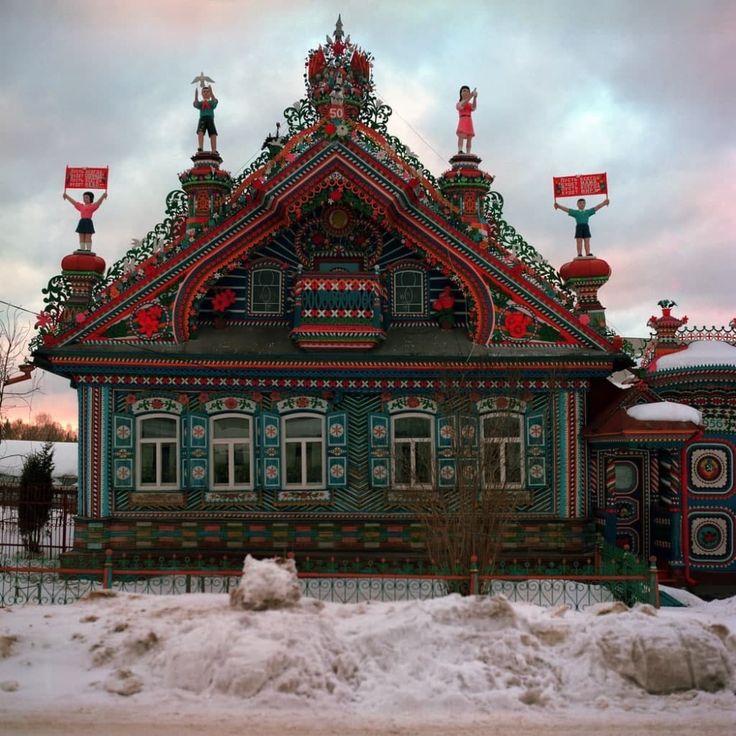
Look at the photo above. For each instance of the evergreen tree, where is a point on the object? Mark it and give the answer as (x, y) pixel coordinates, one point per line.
(36, 496)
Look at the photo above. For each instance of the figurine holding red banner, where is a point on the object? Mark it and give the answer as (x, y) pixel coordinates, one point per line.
(465, 107)
(85, 228)
(582, 229)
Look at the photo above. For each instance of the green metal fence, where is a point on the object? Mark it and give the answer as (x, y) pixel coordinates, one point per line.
(47, 582)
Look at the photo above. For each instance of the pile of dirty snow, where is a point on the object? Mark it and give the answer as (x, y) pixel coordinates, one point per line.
(453, 655)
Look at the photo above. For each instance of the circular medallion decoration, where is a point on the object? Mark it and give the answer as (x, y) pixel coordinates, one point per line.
(711, 537)
(711, 470)
(627, 510)
(337, 220)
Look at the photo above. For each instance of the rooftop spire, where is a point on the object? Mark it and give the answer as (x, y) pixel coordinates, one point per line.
(338, 29)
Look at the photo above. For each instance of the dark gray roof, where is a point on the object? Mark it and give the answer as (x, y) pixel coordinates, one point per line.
(402, 342)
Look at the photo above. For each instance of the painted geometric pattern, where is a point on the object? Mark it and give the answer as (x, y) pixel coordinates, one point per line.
(351, 470)
(359, 494)
(240, 534)
(537, 451)
(711, 537)
(710, 470)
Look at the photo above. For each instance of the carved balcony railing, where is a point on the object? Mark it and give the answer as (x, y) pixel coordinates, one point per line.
(341, 311)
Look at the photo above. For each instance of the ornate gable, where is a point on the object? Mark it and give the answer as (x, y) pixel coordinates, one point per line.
(337, 207)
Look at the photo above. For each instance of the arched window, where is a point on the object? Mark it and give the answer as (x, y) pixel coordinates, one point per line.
(232, 452)
(503, 450)
(266, 289)
(158, 451)
(303, 448)
(409, 293)
(413, 450)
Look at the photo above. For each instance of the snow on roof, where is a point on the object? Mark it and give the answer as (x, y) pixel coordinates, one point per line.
(699, 353)
(623, 378)
(665, 411)
(14, 452)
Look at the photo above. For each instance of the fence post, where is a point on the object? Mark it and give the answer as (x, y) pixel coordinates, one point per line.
(474, 575)
(597, 557)
(107, 571)
(653, 582)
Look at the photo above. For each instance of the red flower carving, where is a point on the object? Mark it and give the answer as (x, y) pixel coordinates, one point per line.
(330, 129)
(517, 324)
(302, 402)
(149, 320)
(156, 404)
(231, 403)
(223, 300)
(445, 302)
(336, 195)
(43, 319)
(412, 402)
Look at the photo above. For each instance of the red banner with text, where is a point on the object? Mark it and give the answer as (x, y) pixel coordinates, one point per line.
(580, 185)
(86, 178)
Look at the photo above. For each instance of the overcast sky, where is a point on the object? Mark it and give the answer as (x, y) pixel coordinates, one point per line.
(641, 89)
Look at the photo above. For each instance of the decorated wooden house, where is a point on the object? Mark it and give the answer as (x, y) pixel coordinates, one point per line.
(281, 359)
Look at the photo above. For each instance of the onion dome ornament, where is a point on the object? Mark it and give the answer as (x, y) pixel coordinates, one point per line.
(339, 76)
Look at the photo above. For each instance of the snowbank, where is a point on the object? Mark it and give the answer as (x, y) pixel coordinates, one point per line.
(448, 657)
(699, 353)
(665, 411)
(266, 584)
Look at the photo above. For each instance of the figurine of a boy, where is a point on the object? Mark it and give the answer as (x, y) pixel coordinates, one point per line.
(582, 229)
(206, 117)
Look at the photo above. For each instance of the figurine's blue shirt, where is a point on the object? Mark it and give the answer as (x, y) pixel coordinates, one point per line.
(581, 216)
(206, 108)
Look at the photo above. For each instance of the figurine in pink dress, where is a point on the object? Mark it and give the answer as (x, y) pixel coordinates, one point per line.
(465, 107)
(86, 209)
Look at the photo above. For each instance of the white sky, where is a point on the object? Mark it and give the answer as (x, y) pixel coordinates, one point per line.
(641, 90)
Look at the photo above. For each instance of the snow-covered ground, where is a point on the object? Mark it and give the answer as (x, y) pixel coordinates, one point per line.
(270, 662)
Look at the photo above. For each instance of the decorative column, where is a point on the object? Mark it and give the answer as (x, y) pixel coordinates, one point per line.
(466, 186)
(82, 270)
(206, 185)
(665, 327)
(585, 276)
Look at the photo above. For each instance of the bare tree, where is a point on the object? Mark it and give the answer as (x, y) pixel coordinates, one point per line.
(466, 517)
(15, 390)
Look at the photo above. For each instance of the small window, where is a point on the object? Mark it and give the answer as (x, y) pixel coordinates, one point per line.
(502, 451)
(304, 451)
(627, 476)
(408, 293)
(231, 452)
(158, 452)
(413, 451)
(265, 291)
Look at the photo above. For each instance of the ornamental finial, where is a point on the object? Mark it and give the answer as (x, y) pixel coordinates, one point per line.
(338, 29)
